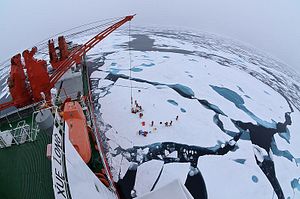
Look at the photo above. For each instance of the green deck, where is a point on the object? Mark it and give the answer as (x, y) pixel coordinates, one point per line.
(19, 177)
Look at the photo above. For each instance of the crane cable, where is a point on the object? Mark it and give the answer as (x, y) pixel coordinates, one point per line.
(130, 65)
(42, 45)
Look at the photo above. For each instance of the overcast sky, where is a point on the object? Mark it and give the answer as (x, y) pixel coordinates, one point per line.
(272, 26)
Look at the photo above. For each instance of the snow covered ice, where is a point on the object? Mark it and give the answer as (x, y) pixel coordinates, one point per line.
(171, 72)
(208, 82)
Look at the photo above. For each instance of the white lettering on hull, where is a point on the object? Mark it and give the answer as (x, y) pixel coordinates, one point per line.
(58, 165)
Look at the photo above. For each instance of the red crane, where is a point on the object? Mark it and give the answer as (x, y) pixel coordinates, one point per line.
(63, 49)
(39, 79)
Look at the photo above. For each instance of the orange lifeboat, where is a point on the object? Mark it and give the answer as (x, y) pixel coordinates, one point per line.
(78, 130)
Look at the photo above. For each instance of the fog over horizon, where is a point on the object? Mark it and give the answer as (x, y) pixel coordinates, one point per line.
(271, 26)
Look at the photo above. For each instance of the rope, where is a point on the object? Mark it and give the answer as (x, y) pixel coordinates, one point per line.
(129, 51)
(42, 45)
(110, 20)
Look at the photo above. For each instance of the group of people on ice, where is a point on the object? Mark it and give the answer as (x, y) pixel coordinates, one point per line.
(137, 109)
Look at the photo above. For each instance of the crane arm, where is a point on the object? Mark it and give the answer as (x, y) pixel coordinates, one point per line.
(77, 54)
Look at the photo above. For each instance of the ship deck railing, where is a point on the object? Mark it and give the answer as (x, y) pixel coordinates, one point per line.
(18, 135)
(8, 119)
(22, 130)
